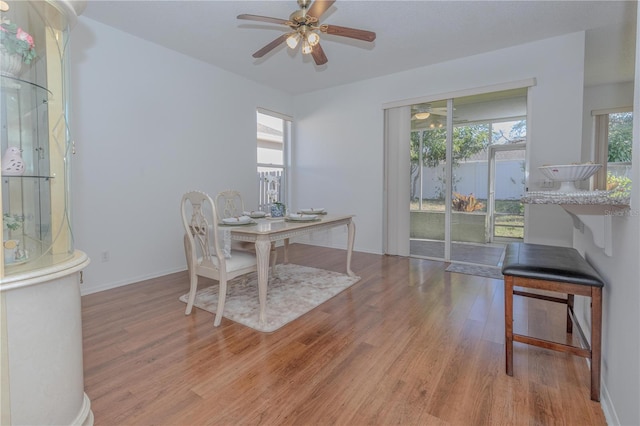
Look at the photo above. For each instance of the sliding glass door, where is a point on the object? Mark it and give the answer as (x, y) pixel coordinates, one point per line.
(467, 176)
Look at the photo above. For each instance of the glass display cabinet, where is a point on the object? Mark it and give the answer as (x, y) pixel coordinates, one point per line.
(41, 369)
(35, 145)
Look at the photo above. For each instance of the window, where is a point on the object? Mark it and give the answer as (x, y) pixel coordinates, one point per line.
(613, 138)
(273, 140)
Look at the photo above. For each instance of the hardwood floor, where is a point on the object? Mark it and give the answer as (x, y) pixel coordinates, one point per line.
(482, 254)
(409, 344)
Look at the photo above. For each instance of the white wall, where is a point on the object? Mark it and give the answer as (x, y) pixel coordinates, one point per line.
(621, 295)
(339, 131)
(150, 124)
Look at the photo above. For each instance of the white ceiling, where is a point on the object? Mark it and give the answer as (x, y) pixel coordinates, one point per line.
(410, 34)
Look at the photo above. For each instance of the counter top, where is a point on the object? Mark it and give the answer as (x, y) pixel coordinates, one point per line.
(591, 209)
(587, 198)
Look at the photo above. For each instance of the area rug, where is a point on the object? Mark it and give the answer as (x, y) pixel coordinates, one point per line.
(294, 291)
(483, 271)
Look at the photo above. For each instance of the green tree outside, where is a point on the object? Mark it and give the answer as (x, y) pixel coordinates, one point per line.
(467, 141)
(620, 137)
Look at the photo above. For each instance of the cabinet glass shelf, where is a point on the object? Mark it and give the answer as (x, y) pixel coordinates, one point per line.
(27, 176)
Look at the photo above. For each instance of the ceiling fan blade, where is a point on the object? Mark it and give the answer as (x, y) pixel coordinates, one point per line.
(318, 55)
(319, 7)
(263, 19)
(269, 47)
(348, 32)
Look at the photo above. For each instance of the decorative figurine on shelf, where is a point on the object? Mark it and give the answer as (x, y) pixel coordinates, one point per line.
(12, 222)
(13, 253)
(12, 164)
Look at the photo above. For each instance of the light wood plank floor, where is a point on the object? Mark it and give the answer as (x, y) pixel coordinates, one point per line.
(409, 344)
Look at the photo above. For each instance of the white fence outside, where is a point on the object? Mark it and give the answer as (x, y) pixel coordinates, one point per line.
(620, 169)
(472, 178)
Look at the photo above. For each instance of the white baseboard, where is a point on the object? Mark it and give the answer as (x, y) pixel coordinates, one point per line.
(607, 406)
(584, 319)
(108, 286)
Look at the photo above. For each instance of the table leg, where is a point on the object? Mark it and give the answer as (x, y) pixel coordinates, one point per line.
(263, 247)
(351, 231)
(286, 250)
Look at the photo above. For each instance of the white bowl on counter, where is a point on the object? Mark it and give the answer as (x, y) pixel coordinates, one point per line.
(568, 174)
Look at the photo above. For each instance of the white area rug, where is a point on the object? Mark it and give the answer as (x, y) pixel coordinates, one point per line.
(295, 291)
(483, 271)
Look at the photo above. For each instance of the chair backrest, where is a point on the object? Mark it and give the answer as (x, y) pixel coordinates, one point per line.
(200, 222)
(229, 204)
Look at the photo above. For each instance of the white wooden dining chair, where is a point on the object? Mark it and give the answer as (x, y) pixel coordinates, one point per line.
(203, 250)
(229, 203)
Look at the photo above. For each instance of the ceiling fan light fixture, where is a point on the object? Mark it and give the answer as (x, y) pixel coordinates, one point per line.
(422, 115)
(293, 39)
(313, 38)
(306, 47)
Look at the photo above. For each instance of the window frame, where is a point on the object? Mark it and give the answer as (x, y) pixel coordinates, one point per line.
(601, 143)
(287, 140)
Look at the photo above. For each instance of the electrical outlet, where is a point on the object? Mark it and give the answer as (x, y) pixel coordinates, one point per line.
(104, 257)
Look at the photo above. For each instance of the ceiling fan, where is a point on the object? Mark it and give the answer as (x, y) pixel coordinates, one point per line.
(305, 25)
(423, 111)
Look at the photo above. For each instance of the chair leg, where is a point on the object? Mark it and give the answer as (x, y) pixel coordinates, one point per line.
(222, 295)
(508, 323)
(596, 343)
(193, 277)
(192, 293)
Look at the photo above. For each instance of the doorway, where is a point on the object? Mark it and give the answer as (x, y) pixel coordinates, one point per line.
(505, 210)
(467, 176)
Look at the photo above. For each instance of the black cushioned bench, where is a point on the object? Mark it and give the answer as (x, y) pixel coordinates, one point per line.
(555, 269)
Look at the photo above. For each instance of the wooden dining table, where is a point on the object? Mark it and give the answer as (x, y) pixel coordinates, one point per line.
(266, 231)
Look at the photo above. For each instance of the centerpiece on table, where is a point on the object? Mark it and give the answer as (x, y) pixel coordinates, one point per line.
(278, 209)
